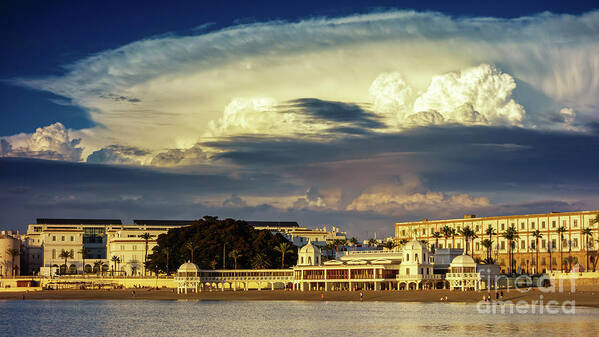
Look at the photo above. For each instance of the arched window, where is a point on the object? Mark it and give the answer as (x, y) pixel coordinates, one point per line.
(302, 260)
(407, 257)
(415, 257)
(309, 260)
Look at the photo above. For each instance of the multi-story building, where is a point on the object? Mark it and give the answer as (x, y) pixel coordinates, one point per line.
(10, 256)
(554, 253)
(300, 235)
(89, 241)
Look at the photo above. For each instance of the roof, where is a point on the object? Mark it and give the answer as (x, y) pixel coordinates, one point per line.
(273, 223)
(48, 221)
(188, 267)
(462, 261)
(164, 222)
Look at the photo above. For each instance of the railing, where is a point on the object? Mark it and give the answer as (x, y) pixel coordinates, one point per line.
(364, 252)
(462, 275)
(418, 277)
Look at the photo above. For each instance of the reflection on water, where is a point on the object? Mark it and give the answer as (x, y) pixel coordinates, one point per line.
(278, 318)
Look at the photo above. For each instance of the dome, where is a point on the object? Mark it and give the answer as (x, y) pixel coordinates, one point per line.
(188, 267)
(463, 261)
(309, 248)
(414, 245)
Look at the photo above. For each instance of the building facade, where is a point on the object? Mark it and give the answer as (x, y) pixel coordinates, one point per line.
(563, 241)
(299, 236)
(91, 245)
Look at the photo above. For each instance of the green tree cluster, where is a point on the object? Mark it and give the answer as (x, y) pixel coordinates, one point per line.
(210, 239)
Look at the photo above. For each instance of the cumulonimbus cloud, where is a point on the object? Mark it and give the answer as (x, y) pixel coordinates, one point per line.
(410, 68)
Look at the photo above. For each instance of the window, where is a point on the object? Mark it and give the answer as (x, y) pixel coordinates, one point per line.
(502, 226)
(532, 225)
(424, 231)
(403, 232)
(53, 238)
(416, 258)
(73, 253)
(523, 244)
(564, 222)
(477, 246)
(407, 257)
(553, 244)
(575, 222)
(37, 229)
(543, 224)
(575, 242)
(543, 262)
(522, 225)
(532, 245)
(552, 224)
(72, 238)
(459, 245)
(476, 228)
(543, 243)
(502, 245)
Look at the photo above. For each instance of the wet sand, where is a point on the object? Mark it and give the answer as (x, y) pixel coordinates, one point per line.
(582, 297)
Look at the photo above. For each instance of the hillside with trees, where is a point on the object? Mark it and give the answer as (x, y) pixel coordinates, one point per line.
(204, 242)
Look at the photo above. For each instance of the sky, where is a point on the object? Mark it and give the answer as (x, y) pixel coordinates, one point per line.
(357, 114)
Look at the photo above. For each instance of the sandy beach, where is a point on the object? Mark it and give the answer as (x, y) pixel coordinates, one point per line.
(584, 297)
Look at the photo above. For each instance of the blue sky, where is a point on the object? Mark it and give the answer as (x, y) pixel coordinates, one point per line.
(354, 113)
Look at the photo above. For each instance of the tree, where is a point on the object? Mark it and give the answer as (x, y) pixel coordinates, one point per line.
(13, 252)
(146, 236)
(488, 244)
(389, 245)
(235, 254)
(354, 242)
(98, 265)
(372, 242)
(490, 231)
(115, 259)
(537, 235)
(448, 232)
(83, 251)
(65, 254)
(436, 235)
(587, 232)
(283, 248)
(510, 235)
(468, 234)
(561, 230)
(167, 252)
(191, 246)
(260, 261)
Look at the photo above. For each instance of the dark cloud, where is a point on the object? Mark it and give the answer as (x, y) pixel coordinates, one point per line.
(121, 98)
(338, 112)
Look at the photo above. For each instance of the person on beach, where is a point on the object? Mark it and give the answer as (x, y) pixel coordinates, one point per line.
(322, 296)
(501, 294)
(361, 296)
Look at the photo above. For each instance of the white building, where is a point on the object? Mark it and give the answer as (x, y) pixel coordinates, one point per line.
(299, 236)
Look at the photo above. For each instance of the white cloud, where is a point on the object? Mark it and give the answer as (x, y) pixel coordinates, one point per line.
(50, 142)
(479, 94)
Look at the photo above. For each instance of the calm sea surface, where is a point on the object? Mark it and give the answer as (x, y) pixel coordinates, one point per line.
(279, 318)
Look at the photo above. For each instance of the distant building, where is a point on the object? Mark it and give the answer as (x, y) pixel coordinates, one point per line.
(10, 254)
(552, 246)
(300, 235)
(92, 240)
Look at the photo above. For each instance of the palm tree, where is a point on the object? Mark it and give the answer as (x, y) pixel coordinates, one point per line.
(191, 246)
(490, 231)
(114, 259)
(467, 233)
(561, 230)
(510, 235)
(488, 244)
(235, 254)
(83, 251)
(260, 261)
(448, 232)
(283, 248)
(98, 265)
(390, 245)
(372, 242)
(65, 254)
(354, 242)
(13, 252)
(587, 232)
(146, 236)
(537, 235)
(436, 235)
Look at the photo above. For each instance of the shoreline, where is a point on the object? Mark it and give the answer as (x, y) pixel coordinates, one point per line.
(582, 298)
